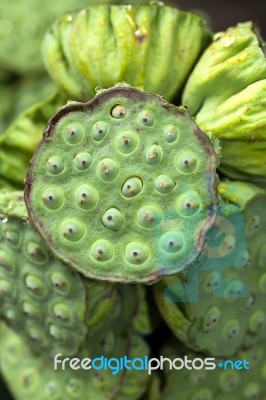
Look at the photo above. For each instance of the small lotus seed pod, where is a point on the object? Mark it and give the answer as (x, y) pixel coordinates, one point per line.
(228, 378)
(127, 35)
(39, 296)
(235, 114)
(135, 191)
(220, 307)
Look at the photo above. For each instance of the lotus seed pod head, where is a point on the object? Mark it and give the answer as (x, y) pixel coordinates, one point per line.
(120, 201)
(75, 46)
(226, 379)
(204, 308)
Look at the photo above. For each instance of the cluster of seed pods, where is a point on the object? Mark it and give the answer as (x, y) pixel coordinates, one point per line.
(49, 304)
(222, 305)
(36, 377)
(120, 187)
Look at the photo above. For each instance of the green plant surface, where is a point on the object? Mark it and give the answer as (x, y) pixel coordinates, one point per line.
(221, 309)
(154, 46)
(118, 186)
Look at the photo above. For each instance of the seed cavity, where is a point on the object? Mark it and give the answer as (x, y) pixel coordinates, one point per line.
(6, 261)
(112, 219)
(146, 118)
(73, 133)
(252, 225)
(55, 165)
(74, 388)
(170, 133)
(212, 318)
(86, 196)
(62, 312)
(35, 285)
(127, 142)
(30, 310)
(99, 130)
(164, 184)
(60, 283)
(132, 187)
(5, 288)
(35, 252)
(235, 289)
(118, 111)
(186, 162)
(232, 330)
(72, 230)
(149, 216)
(55, 332)
(107, 169)
(136, 253)
(172, 241)
(102, 250)
(53, 197)
(257, 322)
(153, 155)
(212, 281)
(12, 237)
(82, 161)
(188, 204)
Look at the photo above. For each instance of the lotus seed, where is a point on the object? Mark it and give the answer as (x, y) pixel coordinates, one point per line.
(35, 252)
(112, 219)
(74, 133)
(257, 322)
(188, 204)
(86, 196)
(72, 230)
(212, 281)
(153, 155)
(146, 118)
(231, 329)
(82, 161)
(55, 332)
(60, 283)
(235, 289)
(102, 250)
(118, 111)
(229, 381)
(74, 388)
(99, 130)
(252, 225)
(136, 253)
(132, 187)
(5, 288)
(172, 241)
(53, 197)
(127, 142)
(62, 312)
(186, 162)
(212, 318)
(170, 133)
(55, 165)
(12, 237)
(31, 310)
(107, 169)
(149, 216)
(35, 285)
(35, 334)
(6, 261)
(164, 184)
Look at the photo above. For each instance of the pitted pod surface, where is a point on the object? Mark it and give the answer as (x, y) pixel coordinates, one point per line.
(118, 186)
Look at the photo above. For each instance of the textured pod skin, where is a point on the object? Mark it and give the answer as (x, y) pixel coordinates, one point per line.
(153, 46)
(226, 92)
(120, 202)
(215, 384)
(50, 306)
(37, 379)
(221, 308)
(19, 141)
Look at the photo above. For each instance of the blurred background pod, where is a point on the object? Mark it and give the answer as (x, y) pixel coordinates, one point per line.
(226, 93)
(220, 309)
(153, 46)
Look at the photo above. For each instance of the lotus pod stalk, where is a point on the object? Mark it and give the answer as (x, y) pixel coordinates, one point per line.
(116, 338)
(226, 93)
(49, 304)
(220, 309)
(153, 46)
(119, 185)
(246, 381)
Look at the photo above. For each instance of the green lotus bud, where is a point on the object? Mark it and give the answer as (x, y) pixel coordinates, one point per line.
(153, 46)
(226, 93)
(232, 379)
(219, 308)
(51, 307)
(122, 219)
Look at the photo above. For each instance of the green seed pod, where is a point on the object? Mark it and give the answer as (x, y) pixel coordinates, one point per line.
(51, 306)
(242, 377)
(132, 37)
(233, 113)
(116, 220)
(219, 308)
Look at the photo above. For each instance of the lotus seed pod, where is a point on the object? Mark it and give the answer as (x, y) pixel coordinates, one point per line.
(220, 308)
(242, 377)
(115, 339)
(19, 141)
(122, 219)
(233, 112)
(102, 45)
(50, 305)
